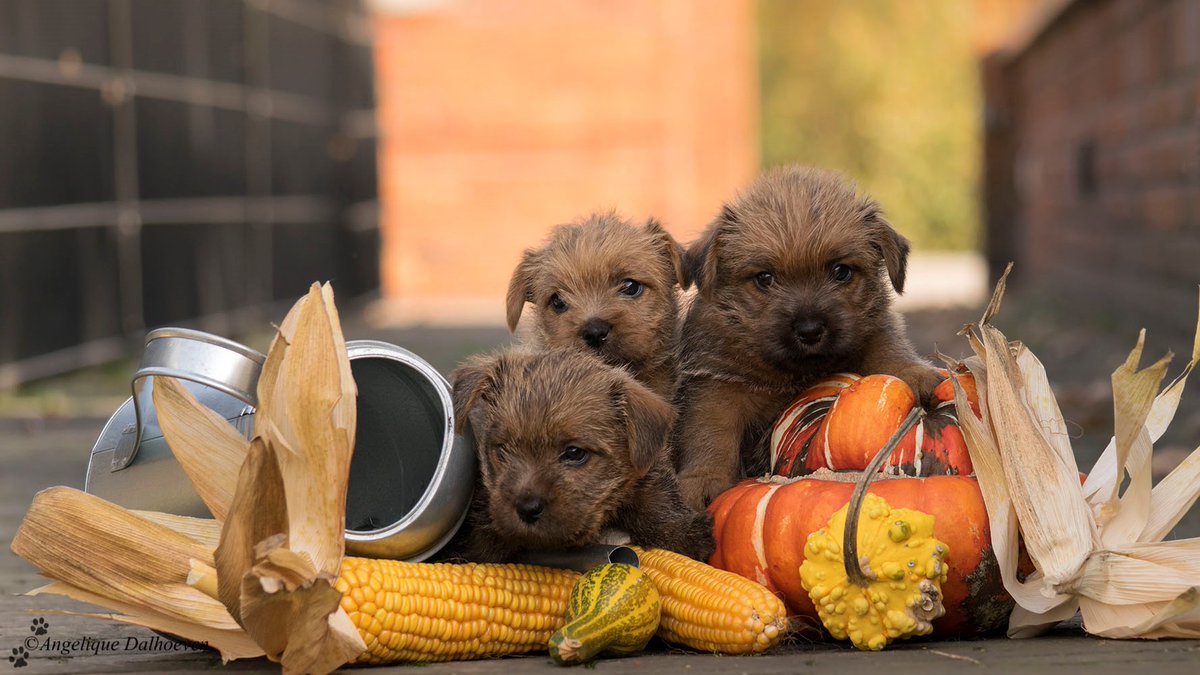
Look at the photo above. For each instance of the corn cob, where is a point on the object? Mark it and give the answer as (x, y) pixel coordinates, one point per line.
(713, 610)
(442, 612)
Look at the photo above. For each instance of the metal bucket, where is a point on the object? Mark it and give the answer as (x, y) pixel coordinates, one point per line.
(411, 475)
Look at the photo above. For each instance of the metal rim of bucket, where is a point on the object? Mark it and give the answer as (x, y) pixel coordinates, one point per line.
(201, 336)
(359, 349)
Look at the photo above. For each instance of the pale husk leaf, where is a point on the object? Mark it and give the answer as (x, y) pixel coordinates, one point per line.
(294, 612)
(205, 531)
(1126, 588)
(1023, 624)
(1124, 516)
(258, 512)
(1172, 498)
(1102, 480)
(282, 544)
(83, 541)
(202, 576)
(1123, 519)
(1055, 520)
(310, 420)
(1181, 556)
(997, 299)
(993, 485)
(1175, 618)
(1044, 611)
(1126, 578)
(208, 448)
(1038, 395)
(232, 643)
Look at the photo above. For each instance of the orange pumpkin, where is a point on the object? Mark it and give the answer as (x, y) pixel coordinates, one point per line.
(761, 526)
(824, 428)
(845, 422)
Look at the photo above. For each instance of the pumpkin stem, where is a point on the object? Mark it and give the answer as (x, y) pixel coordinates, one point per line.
(854, 569)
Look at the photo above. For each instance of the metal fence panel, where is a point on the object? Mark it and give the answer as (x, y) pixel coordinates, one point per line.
(173, 161)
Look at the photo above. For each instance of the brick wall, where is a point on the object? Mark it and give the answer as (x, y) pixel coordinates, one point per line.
(499, 119)
(1093, 149)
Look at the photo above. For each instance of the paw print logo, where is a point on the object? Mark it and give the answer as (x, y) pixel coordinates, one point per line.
(39, 626)
(18, 657)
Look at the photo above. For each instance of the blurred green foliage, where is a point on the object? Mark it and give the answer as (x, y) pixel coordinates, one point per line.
(885, 91)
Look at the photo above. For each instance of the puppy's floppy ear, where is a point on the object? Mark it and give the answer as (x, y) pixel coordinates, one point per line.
(890, 243)
(648, 420)
(520, 288)
(702, 254)
(470, 381)
(672, 250)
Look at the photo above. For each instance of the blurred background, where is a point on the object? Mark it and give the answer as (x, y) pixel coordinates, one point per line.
(198, 163)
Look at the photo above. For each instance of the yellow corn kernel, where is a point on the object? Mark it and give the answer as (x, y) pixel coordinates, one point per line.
(712, 610)
(442, 612)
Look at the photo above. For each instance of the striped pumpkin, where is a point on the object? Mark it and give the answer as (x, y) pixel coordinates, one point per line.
(613, 609)
(820, 446)
(841, 422)
(761, 526)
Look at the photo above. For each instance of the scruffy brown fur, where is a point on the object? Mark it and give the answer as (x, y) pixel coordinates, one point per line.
(773, 313)
(609, 287)
(569, 448)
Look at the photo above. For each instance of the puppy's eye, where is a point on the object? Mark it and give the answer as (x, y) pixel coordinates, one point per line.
(630, 287)
(764, 280)
(574, 456)
(841, 273)
(557, 304)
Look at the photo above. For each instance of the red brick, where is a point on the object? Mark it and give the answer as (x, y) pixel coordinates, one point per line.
(1192, 195)
(500, 119)
(1185, 34)
(1165, 208)
(1164, 106)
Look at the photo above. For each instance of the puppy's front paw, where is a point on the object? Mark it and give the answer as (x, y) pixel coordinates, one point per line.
(700, 541)
(923, 380)
(700, 489)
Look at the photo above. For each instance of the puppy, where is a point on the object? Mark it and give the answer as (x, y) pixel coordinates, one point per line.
(570, 447)
(795, 281)
(609, 287)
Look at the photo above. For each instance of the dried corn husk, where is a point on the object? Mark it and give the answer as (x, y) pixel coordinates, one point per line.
(1096, 548)
(208, 448)
(282, 541)
(102, 554)
(280, 506)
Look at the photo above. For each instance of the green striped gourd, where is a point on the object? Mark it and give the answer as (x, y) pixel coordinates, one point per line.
(613, 609)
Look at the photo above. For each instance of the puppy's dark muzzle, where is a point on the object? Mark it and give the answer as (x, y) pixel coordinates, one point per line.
(808, 331)
(530, 509)
(595, 333)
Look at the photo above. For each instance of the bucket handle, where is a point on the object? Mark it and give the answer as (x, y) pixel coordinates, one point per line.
(195, 356)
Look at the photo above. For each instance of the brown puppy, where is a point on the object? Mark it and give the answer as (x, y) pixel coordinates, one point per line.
(795, 281)
(609, 287)
(570, 447)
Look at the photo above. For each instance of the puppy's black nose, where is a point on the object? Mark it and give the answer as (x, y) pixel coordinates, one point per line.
(595, 332)
(530, 509)
(809, 330)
